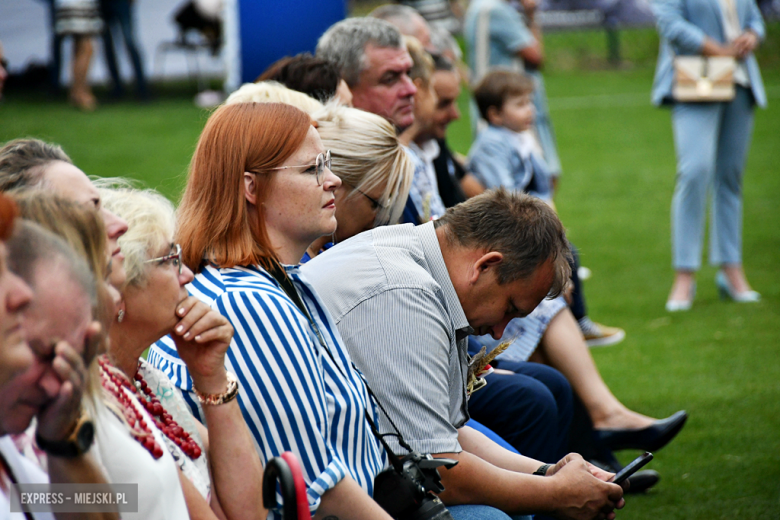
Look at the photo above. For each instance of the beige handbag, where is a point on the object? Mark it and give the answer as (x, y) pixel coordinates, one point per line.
(702, 79)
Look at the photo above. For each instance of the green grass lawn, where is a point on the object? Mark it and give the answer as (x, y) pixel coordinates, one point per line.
(721, 361)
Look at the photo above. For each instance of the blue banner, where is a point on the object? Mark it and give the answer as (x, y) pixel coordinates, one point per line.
(272, 29)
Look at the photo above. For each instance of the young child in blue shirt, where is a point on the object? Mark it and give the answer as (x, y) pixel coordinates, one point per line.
(506, 152)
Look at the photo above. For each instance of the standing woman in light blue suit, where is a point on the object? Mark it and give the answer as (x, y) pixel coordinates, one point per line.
(711, 139)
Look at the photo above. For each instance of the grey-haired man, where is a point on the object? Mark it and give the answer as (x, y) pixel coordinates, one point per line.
(373, 60)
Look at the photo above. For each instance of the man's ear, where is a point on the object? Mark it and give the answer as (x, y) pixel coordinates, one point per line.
(485, 263)
(249, 187)
(494, 116)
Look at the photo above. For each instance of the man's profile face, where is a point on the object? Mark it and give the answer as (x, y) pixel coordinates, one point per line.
(15, 296)
(59, 311)
(446, 84)
(384, 87)
(489, 306)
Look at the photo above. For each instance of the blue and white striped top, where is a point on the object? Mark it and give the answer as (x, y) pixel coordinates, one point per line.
(294, 395)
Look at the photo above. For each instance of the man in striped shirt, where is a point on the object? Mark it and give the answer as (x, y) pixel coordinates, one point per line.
(412, 297)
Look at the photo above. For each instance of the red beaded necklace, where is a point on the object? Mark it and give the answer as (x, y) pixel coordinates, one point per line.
(113, 380)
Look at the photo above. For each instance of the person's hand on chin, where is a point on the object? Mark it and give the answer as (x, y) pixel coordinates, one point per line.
(202, 337)
(57, 417)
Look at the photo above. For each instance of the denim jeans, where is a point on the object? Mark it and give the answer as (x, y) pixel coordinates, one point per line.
(482, 513)
(118, 15)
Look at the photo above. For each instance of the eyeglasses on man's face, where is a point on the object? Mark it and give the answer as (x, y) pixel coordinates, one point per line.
(318, 167)
(174, 258)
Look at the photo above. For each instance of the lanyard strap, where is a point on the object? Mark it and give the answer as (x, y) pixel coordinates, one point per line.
(292, 292)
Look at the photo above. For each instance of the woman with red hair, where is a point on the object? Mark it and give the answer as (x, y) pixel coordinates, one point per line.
(260, 191)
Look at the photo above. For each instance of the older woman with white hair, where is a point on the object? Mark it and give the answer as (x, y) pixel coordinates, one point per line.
(223, 474)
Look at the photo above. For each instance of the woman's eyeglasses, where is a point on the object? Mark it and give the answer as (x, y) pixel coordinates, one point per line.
(375, 204)
(320, 163)
(175, 258)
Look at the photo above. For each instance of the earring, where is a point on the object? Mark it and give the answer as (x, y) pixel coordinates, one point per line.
(120, 315)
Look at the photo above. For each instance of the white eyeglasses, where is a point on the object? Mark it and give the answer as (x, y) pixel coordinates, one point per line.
(320, 163)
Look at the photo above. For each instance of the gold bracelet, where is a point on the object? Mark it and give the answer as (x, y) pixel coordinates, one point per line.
(225, 397)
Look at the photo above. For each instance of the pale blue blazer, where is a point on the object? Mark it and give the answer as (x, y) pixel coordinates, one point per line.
(683, 24)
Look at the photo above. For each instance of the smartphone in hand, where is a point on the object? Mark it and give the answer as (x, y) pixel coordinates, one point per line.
(634, 466)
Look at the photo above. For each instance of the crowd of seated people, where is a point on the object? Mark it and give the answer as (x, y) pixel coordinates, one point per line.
(284, 309)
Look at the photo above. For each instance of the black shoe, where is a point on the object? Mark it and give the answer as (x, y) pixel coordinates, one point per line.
(652, 438)
(639, 482)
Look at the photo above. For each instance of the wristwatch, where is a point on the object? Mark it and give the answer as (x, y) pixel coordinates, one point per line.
(542, 471)
(76, 444)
